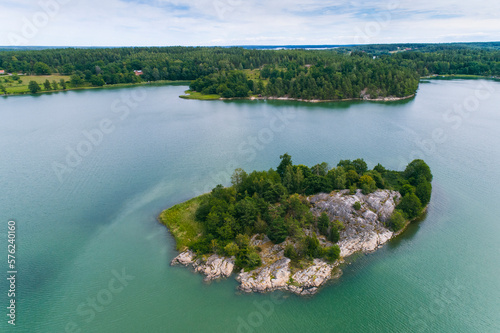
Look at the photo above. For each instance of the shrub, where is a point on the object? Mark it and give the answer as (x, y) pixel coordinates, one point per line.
(332, 253)
(397, 221)
(231, 249)
(290, 252)
(334, 235)
(357, 205)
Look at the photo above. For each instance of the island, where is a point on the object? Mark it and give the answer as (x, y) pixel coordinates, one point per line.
(290, 228)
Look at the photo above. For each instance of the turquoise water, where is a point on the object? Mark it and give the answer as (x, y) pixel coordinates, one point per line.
(82, 221)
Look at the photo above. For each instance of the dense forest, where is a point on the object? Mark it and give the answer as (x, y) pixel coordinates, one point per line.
(356, 72)
(274, 203)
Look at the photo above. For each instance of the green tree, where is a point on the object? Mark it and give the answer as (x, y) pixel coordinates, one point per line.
(277, 232)
(332, 253)
(47, 85)
(62, 83)
(3, 89)
(396, 221)
(417, 169)
(323, 223)
(76, 80)
(334, 234)
(55, 86)
(423, 192)
(360, 166)
(41, 68)
(367, 184)
(286, 160)
(410, 205)
(357, 205)
(34, 87)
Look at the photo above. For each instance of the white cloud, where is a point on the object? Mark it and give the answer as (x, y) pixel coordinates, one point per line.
(238, 22)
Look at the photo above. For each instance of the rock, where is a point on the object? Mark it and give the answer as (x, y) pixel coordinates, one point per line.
(185, 258)
(267, 278)
(215, 267)
(311, 278)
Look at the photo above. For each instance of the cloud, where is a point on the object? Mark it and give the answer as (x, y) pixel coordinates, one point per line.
(238, 22)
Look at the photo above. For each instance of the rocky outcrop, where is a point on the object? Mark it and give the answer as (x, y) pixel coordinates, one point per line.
(213, 268)
(364, 231)
(364, 228)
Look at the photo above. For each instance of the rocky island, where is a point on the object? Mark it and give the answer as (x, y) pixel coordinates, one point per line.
(290, 229)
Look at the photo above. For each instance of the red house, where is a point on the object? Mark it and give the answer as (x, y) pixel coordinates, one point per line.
(138, 72)
(2, 71)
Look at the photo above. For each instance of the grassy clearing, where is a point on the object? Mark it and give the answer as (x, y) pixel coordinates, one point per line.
(197, 95)
(14, 87)
(180, 220)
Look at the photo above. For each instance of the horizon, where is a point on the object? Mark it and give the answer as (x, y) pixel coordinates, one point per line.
(250, 45)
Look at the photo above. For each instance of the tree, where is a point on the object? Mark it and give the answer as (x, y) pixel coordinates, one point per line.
(3, 89)
(54, 85)
(76, 80)
(423, 192)
(332, 253)
(47, 85)
(367, 184)
(62, 83)
(323, 223)
(277, 232)
(360, 166)
(41, 68)
(312, 246)
(231, 249)
(357, 205)
(34, 87)
(410, 205)
(286, 160)
(396, 221)
(334, 234)
(352, 177)
(417, 169)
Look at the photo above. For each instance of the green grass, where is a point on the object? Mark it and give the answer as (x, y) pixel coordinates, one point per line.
(13, 87)
(180, 220)
(197, 95)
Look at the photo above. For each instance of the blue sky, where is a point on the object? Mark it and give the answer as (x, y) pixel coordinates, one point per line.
(244, 22)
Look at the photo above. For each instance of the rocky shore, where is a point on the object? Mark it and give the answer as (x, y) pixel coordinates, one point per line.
(364, 231)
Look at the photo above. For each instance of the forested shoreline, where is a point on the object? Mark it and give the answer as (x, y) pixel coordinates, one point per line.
(362, 72)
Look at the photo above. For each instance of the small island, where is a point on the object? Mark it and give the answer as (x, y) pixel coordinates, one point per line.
(291, 228)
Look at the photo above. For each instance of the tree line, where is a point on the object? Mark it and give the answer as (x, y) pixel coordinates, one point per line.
(304, 74)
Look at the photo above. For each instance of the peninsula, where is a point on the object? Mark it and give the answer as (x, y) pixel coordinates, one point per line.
(290, 228)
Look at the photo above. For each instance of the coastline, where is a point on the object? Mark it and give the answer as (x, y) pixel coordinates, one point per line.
(365, 232)
(109, 86)
(198, 96)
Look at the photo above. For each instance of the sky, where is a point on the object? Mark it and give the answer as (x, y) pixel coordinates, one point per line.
(245, 22)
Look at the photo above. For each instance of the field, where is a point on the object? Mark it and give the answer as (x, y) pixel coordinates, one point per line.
(13, 87)
(181, 222)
